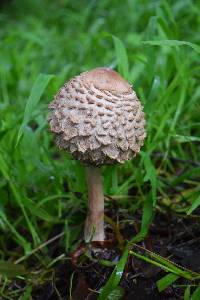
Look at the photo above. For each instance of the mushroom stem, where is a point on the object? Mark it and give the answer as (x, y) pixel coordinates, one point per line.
(94, 225)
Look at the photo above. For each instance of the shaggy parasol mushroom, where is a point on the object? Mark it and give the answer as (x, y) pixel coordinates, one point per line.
(98, 118)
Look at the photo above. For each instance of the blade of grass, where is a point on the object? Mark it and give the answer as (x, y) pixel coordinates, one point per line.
(167, 269)
(36, 93)
(20, 239)
(188, 174)
(11, 270)
(115, 277)
(184, 272)
(196, 294)
(194, 205)
(167, 265)
(150, 174)
(116, 294)
(122, 57)
(187, 293)
(27, 294)
(173, 43)
(147, 216)
(18, 197)
(179, 107)
(186, 138)
(166, 281)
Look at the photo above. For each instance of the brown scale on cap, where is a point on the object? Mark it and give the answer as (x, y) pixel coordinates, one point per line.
(98, 118)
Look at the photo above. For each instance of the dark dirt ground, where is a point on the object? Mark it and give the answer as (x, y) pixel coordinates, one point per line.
(174, 237)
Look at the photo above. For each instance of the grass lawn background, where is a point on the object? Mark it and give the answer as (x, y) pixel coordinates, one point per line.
(154, 44)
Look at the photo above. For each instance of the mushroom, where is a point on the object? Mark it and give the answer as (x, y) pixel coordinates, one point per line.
(97, 117)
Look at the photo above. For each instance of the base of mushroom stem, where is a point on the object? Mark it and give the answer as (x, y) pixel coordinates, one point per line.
(109, 241)
(94, 227)
(94, 246)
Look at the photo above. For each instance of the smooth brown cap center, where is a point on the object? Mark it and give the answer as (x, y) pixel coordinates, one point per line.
(106, 79)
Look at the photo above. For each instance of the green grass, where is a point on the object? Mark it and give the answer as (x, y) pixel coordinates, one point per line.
(154, 44)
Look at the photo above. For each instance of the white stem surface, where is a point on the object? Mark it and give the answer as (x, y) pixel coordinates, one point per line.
(94, 225)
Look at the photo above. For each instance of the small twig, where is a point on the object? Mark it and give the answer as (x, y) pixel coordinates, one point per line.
(71, 285)
(39, 247)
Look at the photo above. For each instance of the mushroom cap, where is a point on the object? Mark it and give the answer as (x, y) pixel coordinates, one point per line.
(98, 118)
